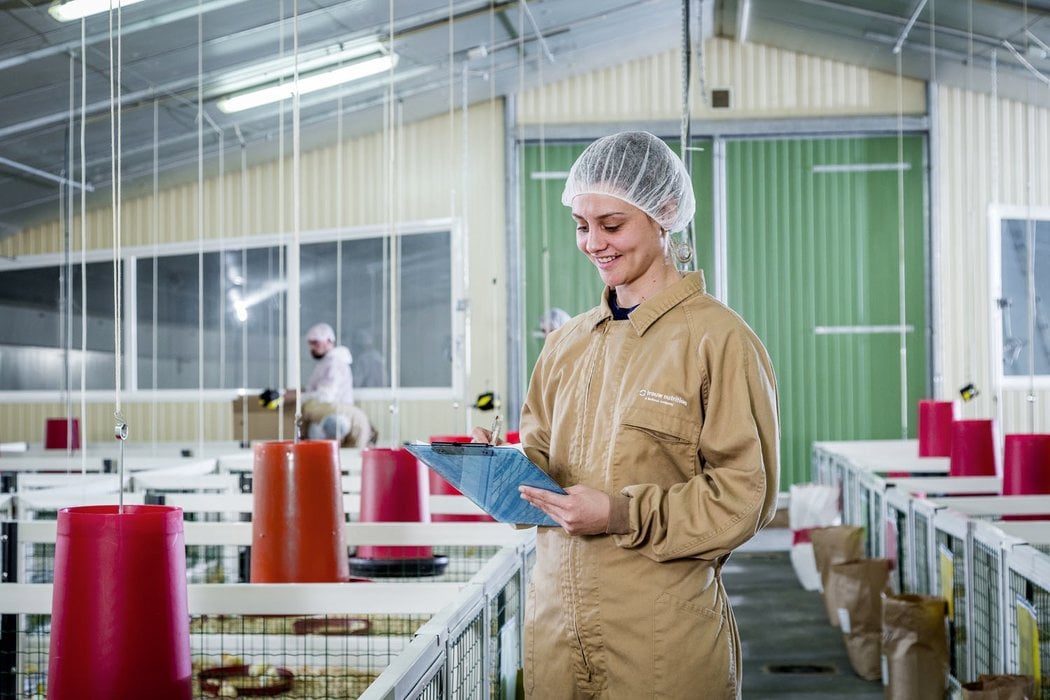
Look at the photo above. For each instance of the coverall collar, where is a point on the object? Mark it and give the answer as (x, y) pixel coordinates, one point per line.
(652, 309)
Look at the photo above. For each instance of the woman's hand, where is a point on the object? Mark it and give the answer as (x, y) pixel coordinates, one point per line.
(581, 511)
(484, 435)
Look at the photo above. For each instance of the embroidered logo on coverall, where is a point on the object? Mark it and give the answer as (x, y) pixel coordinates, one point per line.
(665, 399)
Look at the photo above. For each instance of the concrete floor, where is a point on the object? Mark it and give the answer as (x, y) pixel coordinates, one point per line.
(783, 624)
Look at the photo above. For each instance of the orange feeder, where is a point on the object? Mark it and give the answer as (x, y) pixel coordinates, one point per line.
(120, 625)
(394, 490)
(298, 523)
(440, 487)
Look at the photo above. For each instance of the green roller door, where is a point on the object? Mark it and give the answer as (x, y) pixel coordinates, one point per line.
(813, 264)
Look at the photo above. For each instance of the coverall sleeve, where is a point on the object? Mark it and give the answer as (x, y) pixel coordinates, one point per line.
(734, 493)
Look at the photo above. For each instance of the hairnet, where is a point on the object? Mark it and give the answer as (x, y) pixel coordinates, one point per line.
(640, 169)
(320, 331)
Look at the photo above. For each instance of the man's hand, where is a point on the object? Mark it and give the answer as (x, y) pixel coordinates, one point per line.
(484, 435)
(582, 511)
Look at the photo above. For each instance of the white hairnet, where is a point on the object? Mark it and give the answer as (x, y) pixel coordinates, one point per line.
(553, 318)
(320, 331)
(640, 169)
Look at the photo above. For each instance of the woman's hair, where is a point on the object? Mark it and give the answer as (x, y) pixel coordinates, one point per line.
(643, 171)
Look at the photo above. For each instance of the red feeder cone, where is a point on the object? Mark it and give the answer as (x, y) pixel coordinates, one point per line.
(973, 448)
(298, 523)
(62, 434)
(1026, 465)
(440, 487)
(394, 490)
(120, 626)
(935, 428)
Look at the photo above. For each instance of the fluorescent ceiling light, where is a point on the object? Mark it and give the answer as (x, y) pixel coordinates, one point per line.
(310, 83)
(75, 9)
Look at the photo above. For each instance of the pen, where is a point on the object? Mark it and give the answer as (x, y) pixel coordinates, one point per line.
(494, 433)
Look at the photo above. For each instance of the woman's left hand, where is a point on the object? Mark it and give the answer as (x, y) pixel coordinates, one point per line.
(580, 511)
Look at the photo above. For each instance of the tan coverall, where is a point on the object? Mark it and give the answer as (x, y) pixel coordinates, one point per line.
(672, 412)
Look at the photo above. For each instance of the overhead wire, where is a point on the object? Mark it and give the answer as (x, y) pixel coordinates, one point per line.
(120, 428)
(83, 248)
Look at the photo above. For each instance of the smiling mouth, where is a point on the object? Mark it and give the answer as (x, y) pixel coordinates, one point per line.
(605, 259)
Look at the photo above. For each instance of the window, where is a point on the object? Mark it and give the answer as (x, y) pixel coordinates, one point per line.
(38, 325)
(1020, 246)
(217, 318)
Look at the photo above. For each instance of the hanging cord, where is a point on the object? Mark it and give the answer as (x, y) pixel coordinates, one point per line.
(200, 228)
(120, 427)
(545, 248)
(293, 252)
(994, 187)
(244, 285)
(680, 248)
(83, 249)
(155, 294)
(1030, 230)
(281, 300)
(339, 223)
(901, 272)
(971, 197)
(390, 249)
(67, 268)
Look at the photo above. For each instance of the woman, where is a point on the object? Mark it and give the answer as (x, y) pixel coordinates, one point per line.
(658, 410)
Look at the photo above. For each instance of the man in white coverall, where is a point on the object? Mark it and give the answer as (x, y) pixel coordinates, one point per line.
(328, 397)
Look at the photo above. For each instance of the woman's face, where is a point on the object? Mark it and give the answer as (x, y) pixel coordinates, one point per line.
(620, 239)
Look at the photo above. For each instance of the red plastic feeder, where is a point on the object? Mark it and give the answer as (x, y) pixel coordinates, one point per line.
(298, 523)
(935, 428)
(973, 448)
(120, 625)
(1026, 464)
(440, 487)
(62, 434)
(394, 490)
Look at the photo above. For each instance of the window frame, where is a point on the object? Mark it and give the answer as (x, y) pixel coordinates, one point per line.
(996, 215)
(130, 256)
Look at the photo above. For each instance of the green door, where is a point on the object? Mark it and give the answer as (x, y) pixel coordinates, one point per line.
(814, 264)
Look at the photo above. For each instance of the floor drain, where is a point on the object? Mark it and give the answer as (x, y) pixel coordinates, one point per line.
(801, 669)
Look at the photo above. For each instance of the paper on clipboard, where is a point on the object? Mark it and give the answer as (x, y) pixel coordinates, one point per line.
(489, 476)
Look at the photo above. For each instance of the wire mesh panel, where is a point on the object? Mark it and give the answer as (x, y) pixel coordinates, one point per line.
(897, 526)
(985, 631)
(1027, 601)
(466, 662)
(504, 637)
(924, 553)
(951, 553)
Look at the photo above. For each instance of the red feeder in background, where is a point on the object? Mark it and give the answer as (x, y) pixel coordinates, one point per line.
(62, 434)
(1026, 464)
(440, 487)
(298, 523)
(935, 428)
(120, 625)
(394, 490)
(973, 448)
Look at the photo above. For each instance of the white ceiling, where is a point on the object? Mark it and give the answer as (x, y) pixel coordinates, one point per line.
(174, 53)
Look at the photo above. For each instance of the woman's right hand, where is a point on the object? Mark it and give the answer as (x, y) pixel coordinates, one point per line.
(484, 435)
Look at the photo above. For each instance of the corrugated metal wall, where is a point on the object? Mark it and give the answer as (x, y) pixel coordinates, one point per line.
(428, 184)
(764, 83)
(991, 153)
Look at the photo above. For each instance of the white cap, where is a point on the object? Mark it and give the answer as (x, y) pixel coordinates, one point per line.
(320, 331)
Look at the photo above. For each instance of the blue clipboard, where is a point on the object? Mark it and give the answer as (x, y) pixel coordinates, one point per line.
(489, 476)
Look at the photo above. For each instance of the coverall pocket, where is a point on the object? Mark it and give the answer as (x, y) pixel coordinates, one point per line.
(692, 651)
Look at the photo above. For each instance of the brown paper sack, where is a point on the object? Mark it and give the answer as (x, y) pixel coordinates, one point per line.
(835, 545)
(914, 647)
(989, 686)
(855, 590)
